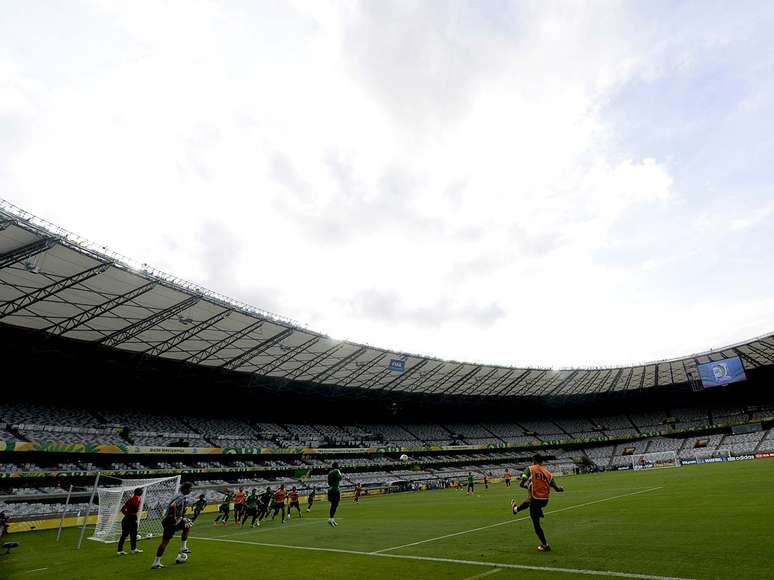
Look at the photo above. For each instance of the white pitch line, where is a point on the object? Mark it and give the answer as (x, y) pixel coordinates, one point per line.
(581, 571)
(505, 523)
(484, 574)
(36, 570)
(260, 529)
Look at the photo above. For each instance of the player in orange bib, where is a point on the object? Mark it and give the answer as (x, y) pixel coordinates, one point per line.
(507, 477)
(293, 501)
(278, 503)
(538, 481)
(239, 505)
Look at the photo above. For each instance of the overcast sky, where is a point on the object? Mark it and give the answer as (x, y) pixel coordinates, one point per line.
(546, 183)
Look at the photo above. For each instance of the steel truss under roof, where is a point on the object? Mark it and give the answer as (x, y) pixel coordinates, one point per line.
(55, 282)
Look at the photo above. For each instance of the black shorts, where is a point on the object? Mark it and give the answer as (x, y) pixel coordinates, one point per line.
(294, 504)
(278, 506)
(334, 496)
(170, 528)
(224, 509)
(536, 507)
(251, 511)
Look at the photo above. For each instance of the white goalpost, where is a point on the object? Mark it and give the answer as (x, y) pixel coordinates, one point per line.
(157, 493)
(655, 459)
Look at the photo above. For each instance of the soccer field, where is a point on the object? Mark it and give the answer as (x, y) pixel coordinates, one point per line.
(703, 522)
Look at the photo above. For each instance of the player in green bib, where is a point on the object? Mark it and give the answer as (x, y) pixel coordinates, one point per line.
(251, 508)
(198, 506)
(224, 509)
(334, 493)
(471, 483)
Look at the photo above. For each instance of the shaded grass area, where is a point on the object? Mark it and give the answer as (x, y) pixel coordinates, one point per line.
(705, 522)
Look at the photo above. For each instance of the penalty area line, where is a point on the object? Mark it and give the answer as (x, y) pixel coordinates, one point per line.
(505, 523)
(497, 565)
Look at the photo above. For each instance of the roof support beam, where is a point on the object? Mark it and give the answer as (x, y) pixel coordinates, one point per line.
(5, 224)
(499, 381)
(406, 374)
(97, 311)
(513, 383)
(203, 355)
(180, 337)
(461, 380)
(297, 372)
(746, 357)
(336, 366)
(141, 326)
(557, 389)
(22, 302)
(764, 355)
(19, 254)
(278, 362)
(422, 377)
(434, 387)
(354, 375)
(253, 352)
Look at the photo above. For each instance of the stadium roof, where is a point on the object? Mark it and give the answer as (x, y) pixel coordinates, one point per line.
(54, 281)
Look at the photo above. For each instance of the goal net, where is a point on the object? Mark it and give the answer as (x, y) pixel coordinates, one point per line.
(655, 459)
(156, 496)
(707, 455)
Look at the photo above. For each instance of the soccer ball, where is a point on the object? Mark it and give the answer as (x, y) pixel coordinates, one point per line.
(404, 458)
(181, 558)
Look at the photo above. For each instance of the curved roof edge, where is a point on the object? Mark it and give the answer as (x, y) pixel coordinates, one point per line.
(59, 282)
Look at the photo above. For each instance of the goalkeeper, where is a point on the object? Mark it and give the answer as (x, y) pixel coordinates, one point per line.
(131, 510)
(174, 521)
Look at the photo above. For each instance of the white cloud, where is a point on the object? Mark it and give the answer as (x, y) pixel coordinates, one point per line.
(368, 168)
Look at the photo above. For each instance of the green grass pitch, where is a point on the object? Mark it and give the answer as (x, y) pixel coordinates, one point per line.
(705, 522)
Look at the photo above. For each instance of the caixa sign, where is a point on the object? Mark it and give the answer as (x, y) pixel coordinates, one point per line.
(397, 366)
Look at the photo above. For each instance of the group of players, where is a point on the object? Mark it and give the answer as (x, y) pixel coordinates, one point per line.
(536, 479)
(252, 506)
(255, 507)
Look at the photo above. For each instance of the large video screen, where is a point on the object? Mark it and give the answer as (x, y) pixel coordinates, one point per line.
(721, 372)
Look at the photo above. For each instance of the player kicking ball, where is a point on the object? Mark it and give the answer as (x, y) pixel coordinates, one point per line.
(538, 481)
(172, 522)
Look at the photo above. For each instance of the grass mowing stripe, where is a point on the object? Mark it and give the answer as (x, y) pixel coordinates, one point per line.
(581, 571)
(572, 507)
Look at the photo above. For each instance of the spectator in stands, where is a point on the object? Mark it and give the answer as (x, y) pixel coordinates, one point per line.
(131, 510)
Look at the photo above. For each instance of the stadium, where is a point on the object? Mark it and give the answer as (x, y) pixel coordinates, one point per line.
(390, 289)
(406, 428)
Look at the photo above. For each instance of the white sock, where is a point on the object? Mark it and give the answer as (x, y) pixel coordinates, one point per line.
(157, 560)
(183, 544)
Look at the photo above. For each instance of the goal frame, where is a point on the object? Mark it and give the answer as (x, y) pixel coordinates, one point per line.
(655, 460)
(107, 528)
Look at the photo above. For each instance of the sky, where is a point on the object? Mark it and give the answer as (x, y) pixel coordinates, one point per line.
(522, 183)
